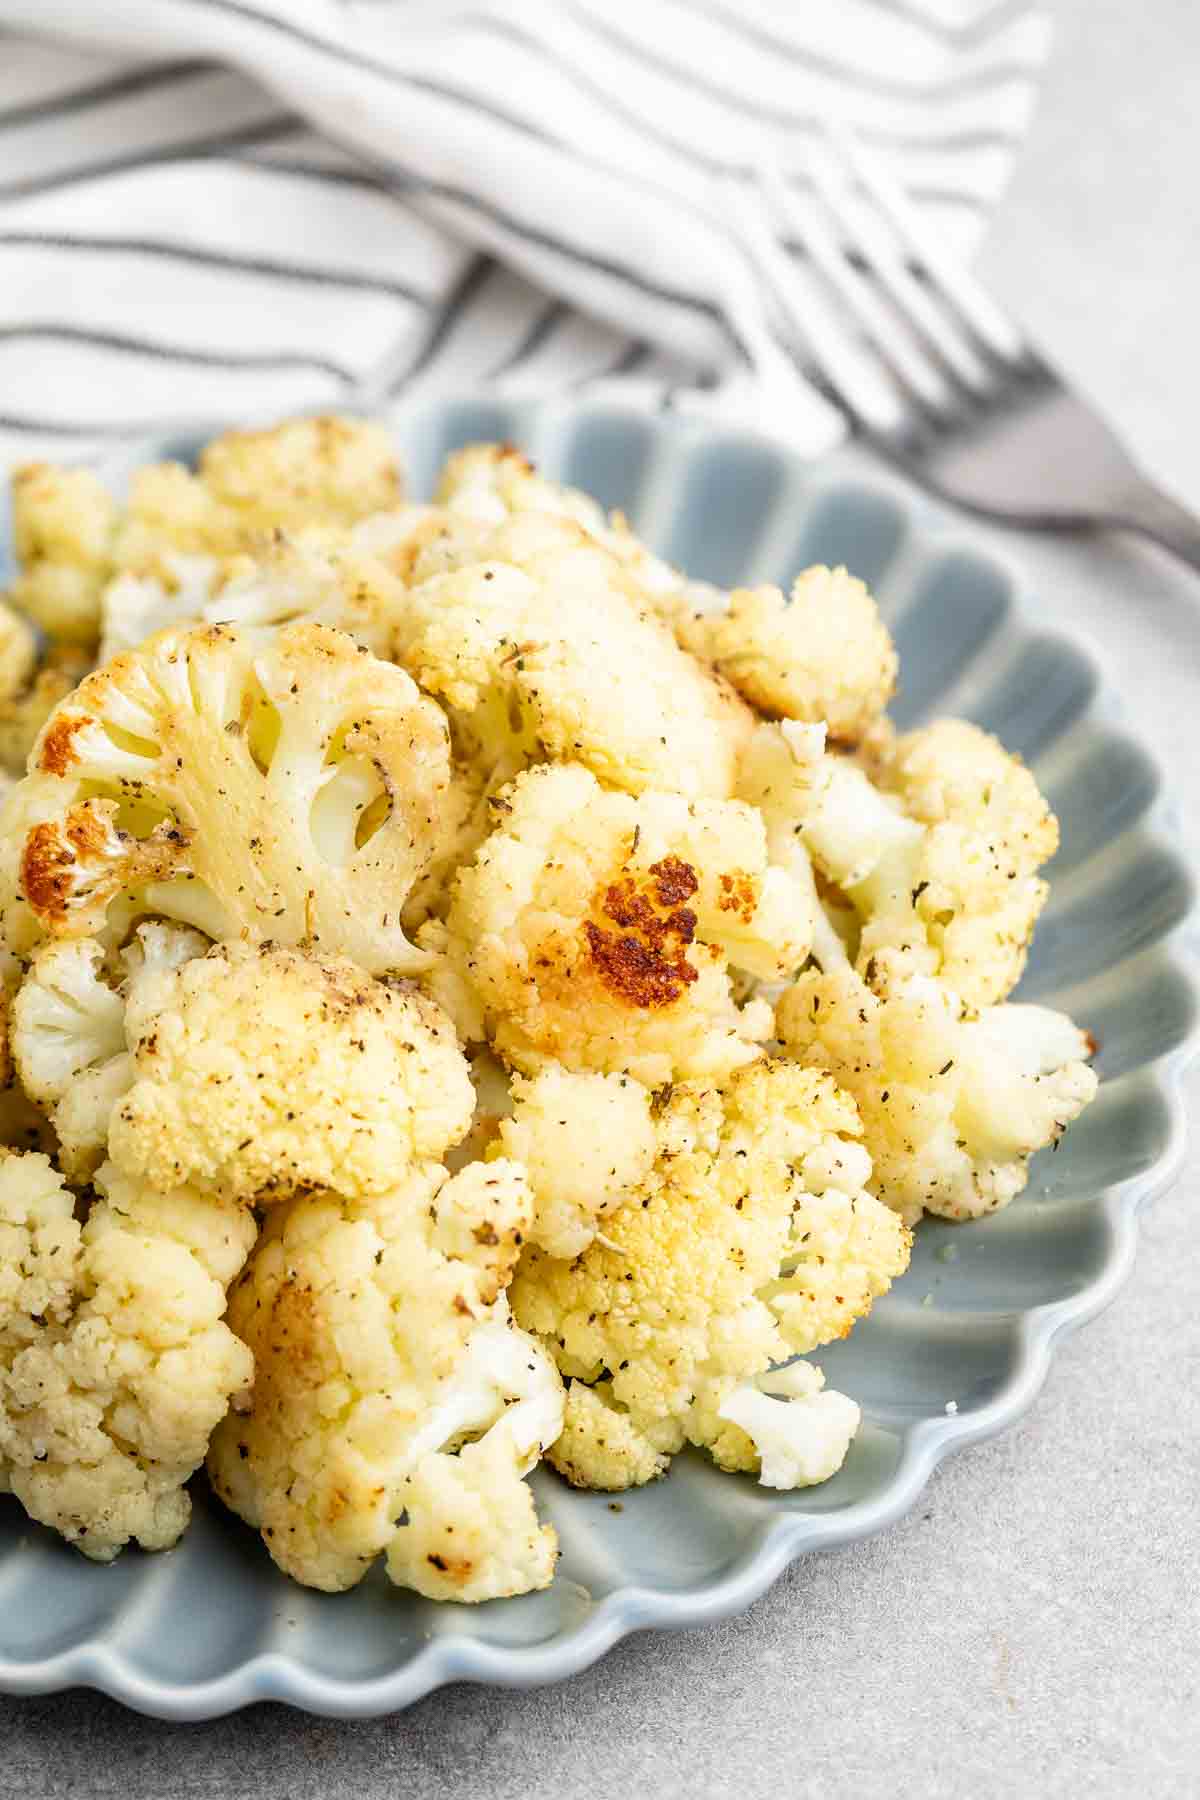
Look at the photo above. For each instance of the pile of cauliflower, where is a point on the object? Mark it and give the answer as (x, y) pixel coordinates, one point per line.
(469, 996)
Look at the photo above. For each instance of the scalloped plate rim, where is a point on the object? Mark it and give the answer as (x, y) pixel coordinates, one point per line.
(276, 1676)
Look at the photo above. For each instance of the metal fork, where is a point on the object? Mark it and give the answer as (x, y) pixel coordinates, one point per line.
(941, 381)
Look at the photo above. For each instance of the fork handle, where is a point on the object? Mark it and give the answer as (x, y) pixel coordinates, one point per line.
(1153, 514)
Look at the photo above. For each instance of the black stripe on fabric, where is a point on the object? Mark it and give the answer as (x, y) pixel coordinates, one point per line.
(50, 331)
(374, 65)
(223, 260)
(779, 115)
(779, 45)
(278, 125)
(457, 302)
(100, 93)
(543, 328)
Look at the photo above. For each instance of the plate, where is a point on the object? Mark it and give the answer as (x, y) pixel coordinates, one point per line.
(957, 1350)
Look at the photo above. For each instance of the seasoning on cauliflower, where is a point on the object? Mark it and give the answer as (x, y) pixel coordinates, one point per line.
(259, 1072)
(934, 855)
(63, 525)
(543, 650)
(325, 471)
(752, 1239)
(282, 784)
(115, 1364)
(595, 929)
(953, 1103)
(68, 1033)
(823, 657)
(489, 483)
(382, 1343)
(586, 1141)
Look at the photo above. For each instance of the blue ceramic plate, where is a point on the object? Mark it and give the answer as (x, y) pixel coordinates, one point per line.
(212, 1625)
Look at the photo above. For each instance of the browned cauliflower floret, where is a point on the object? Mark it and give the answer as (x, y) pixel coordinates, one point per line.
(283, 784)
(824, 656)
(24, 710)
(751, 1239)
(259, 1072)
(953, 1104)
(115, 1364)
(544, 650)
(382, 1343)
(595, 930)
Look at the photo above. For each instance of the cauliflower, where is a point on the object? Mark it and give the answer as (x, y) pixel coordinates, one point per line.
(283, 784)
(595, 930)
(586, 1141)
(800, 1430)
(259, 1071)
(751, 1239)
(68, 1033)
(382, 1344)
(543, 650)
(934, 859)
(115, 1364)
(953, 1104)
(486, 484)
(321, 472)
(825, 657)
(63, 526)
(25, 709)
(134, 607)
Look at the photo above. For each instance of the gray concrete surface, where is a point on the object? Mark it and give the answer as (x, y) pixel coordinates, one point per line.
(1032, 1628)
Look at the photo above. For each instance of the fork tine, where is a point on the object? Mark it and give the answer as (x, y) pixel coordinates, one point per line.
(969, 304)
(853, 377)
(798, 216)
(862, 226)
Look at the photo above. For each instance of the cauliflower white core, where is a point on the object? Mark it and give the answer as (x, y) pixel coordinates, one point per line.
(596, 930)
(282, 785)
(115, 1363)
(382, 1345)
(68, 1033)
(260, 1072)
(800, 1429)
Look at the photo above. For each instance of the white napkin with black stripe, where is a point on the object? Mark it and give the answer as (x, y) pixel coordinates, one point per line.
(219, 210)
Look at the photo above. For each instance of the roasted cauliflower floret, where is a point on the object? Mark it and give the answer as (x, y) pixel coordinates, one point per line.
(823, 657)
(259, 1072)
(953, 1104)
(282, 784)
(800, 1429)
(63, 526)
(115, 1364)
(544, 650)
(382, 1342)
(486, 484)
(751, 1239)
(68, 1032)
(595, 930)
(24, 710)
(586, 1141)
(934, 854)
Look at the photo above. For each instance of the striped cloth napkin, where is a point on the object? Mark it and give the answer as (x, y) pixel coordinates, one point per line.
(228, 210)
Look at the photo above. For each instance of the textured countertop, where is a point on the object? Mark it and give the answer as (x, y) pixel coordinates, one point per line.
(1032, 1628)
